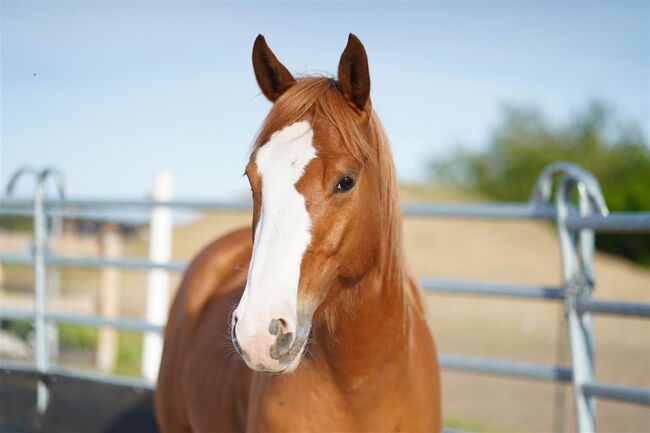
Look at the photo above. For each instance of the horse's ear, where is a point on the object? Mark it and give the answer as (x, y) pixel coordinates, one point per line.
(354, 77)
(272, 77)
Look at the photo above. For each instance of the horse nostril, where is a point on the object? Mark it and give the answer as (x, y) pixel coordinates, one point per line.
(277, 326)
(284, 339)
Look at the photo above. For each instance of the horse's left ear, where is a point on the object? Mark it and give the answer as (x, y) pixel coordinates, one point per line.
(354, 77)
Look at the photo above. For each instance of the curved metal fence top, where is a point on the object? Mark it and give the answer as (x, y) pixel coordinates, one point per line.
(40, 176)
(573, 173)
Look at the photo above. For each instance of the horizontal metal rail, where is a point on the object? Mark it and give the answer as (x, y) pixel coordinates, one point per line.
(530, 291)
(74, 204)
(57, 370)
(11, 314)
(17, 367)
(92, 262)
(135, 325)
(479, 365)
(470, 210)
(492, 289)
(481, 210)
(619, 393)
(505, 368)
(618, 308)
(614, 222)
(16, 259)
(14, 211)
(455, 287)
(541, 292)
(478, 210)
(457, 362)
(100, 262)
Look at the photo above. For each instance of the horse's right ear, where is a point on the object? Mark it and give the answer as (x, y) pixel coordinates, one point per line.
(272, 77)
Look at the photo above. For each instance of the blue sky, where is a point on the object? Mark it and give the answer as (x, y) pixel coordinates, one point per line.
(113, 92)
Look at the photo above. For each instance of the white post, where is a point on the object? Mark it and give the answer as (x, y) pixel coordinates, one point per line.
(109, 297)
(158, 282)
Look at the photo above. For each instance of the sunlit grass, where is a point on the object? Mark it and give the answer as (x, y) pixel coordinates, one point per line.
(129, 350)
(77, 337)
(129, 354)
(466, 424)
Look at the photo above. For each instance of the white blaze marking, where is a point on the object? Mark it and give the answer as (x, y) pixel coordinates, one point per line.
(282, 234)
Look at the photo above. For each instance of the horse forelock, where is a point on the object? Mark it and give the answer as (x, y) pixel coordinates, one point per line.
(317, 99)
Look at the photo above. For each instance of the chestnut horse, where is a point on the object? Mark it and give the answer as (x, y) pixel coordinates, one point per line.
(328, 321)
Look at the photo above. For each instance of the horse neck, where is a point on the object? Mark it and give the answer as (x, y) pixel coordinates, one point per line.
(367, 329)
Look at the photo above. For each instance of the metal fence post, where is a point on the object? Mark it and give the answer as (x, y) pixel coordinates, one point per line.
(40, 293)
(577, 251)
(41, 330)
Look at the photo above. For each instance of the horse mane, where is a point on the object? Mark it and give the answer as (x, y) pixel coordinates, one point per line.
(319, 97)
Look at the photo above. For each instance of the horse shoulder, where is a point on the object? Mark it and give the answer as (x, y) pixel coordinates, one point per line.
(195, 353)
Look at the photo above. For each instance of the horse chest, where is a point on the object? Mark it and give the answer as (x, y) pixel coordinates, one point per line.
(299, 403)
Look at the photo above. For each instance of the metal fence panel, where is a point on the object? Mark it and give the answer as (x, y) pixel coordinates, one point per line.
(576, 225)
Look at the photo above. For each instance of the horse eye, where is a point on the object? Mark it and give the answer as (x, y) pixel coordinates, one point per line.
(345, 184)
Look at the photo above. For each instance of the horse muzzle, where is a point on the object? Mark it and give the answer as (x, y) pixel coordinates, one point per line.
(275, 348)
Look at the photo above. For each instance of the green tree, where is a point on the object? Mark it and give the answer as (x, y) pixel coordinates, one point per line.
(524, 142)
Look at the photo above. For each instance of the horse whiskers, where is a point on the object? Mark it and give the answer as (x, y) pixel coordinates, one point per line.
(225, 338)
(232, 355)
(308, 347)
(225, 343)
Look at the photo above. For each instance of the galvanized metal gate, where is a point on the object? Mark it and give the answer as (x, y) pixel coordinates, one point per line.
(576, 227)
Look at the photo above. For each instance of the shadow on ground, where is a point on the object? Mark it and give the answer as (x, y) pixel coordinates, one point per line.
(76, 405)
